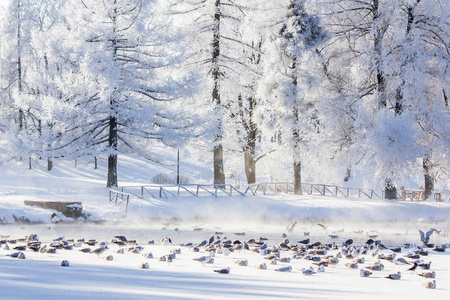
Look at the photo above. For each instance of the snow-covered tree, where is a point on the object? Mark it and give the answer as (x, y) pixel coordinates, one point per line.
(117, 89)
(217, 49)
(291, 78)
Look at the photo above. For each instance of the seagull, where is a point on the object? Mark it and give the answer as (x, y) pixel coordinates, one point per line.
(428, 274)
(65, 263)
(425, 237)
(243, 262)
(144, 266)
(166, 241)
(262, 266)
(394, 276)
(425, 266)
(18, 255)
(320, 269)
(413, 268)
(323, 226)
(98, 251)
(308, 272)
(365, 273)
(352, 265)
(121, 237)
(430, 284)
(400, 261)
(223, 271)
(304, 241)
(284, 269)
(226, 252)
(291, 226)
(203, 259)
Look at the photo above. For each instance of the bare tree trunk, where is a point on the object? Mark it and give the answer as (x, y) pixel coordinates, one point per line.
(390, 191)
(428, 178)
(49, 164)
(112, 158)
(297, 178)
(219, 174)
(250, 167)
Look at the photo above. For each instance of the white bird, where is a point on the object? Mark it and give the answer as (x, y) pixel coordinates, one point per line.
(291, 226)
(226, 251)
(166, 241)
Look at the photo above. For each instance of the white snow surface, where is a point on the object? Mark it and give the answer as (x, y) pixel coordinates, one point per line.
(193, 219)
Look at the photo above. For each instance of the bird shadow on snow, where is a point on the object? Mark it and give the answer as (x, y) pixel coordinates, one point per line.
(48, 279)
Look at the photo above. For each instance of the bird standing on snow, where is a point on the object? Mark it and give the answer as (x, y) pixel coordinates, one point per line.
(413, 268)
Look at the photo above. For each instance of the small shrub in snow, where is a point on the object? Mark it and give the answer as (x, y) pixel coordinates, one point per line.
(162, 178)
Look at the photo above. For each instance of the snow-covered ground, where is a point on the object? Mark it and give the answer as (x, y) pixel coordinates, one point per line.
(40, 276)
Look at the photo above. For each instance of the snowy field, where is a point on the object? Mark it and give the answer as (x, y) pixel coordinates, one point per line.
(193, 220)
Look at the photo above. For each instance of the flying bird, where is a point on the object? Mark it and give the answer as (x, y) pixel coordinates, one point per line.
(425, 237)
(291, 226)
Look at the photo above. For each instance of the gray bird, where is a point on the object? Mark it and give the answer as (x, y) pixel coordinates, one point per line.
(394, 276)
(308, 272)
(242, 262)
(428, 274)
(65, 263)
(262, 266)
(284, 269)
(98, 251)
(365, 273)
(425, 237)
(223, 271)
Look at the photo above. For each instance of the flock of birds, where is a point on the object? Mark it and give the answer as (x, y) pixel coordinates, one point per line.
(319, 255)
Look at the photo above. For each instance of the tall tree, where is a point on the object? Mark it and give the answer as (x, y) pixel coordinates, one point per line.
(292, 77)
(215, 47)
(117, 56)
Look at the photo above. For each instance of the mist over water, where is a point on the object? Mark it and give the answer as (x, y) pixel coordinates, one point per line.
(390, 234)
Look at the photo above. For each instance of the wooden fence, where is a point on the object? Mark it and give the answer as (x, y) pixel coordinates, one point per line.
(123, 194)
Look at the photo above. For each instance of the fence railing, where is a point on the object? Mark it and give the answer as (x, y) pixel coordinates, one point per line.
(123, 194)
